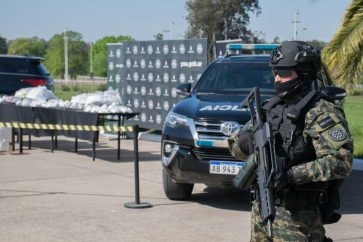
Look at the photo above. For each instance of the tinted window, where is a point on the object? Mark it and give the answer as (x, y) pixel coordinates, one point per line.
(236, 77)
(22, 66)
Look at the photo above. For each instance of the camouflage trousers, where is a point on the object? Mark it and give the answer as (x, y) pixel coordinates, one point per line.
(302, 225)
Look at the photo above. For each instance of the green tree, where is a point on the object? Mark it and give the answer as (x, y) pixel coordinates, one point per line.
(28, 46)
(99, 53)
(159, 36)
(220, 19)
(3, 46)
(318, 44)
(78, 55)
(344, 53)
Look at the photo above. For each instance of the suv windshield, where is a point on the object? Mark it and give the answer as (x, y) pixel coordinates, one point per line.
(236, 78)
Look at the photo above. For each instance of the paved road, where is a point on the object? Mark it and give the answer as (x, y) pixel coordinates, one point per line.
(64, 196)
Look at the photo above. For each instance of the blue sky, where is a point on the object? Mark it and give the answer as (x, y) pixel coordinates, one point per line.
(141, 19)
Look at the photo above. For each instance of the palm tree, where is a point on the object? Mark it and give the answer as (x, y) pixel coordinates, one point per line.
(344, 53)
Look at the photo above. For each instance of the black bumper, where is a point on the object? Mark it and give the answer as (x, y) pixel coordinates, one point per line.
(185, 167)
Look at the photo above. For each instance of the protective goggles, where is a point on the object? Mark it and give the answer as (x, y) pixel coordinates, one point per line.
(283, 72)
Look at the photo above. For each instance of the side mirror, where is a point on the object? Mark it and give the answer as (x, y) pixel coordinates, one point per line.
(184, 89)
(335, 93)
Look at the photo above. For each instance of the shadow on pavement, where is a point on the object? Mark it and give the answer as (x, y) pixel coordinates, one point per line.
(351, 194)
(230, 199)
(103, 152)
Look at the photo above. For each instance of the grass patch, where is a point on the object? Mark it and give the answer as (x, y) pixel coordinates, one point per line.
(67, 91)
(353, 107)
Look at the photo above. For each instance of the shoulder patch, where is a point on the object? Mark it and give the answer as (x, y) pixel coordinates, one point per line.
(326, 122)
(337, 134)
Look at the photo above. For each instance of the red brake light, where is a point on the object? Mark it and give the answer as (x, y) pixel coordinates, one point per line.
(35, 82)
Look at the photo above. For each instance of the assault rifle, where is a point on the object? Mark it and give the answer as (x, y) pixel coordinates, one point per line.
(265, 158)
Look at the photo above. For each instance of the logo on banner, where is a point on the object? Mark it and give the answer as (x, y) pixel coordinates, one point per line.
(143, 117)
(128, 103)
(143, 104)
(158, 119)
(150, 104)
(158, 91)
(150, 49)
(128, 89)
(166, 93)
(143, 78)
(166, 64)
(135, 49)
(118, 78)
(111, 66)
(190, 79)
(199, 48)
(143, 90)
(166, 77)
(136, 103)
(158, 78)
(128, 77)
(136, 76)
(136, 91)
(182, 78)
(157, 51)
(191, 51)
(182, 49)
(166, 49)
(143, 63)
(173, 92)
(173, 79)
(118, 53)
(150, 65)
(142, 51)
(151, 93)
(166, 105)
(174, 63)
(128, 63)
(191, 64)
(110, 79)
(111, 54)
(157, 63)
(135, 64)
(128, 50)
(119, 65)
(174, 50)
(150, 77)
(151, 120)
(158, 105)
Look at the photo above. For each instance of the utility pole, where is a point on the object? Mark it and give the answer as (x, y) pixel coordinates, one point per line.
(305, 34)
(171, 30)
(295, 22)
(66, 55)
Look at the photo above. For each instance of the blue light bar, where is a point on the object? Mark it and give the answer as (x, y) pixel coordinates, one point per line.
(234, 47)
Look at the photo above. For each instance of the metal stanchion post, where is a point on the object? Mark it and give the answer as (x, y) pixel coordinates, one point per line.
(20, 141)
(52, 145)
(137, 203)
(29, 142)
(118, 137)
(76, 145)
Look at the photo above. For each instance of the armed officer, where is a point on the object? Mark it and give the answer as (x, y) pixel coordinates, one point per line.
(312, 142)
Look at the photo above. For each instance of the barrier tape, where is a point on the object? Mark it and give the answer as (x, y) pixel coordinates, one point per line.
(70, 127)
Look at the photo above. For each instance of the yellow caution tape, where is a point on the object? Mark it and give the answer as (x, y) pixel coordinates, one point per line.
(71, 127)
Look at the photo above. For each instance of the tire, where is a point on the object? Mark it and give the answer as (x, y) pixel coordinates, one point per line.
(176, 191)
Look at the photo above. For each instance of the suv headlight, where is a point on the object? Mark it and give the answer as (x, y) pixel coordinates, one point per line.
(173, 120)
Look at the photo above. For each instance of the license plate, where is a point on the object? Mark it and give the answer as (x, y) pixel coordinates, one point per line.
(225, 167)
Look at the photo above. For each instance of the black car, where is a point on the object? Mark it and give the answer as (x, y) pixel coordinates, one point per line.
(194, 137)
(17, 72)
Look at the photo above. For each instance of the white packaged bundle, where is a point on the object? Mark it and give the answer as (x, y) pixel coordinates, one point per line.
(41, 93)
(81, 98)
(23, 93)
(95, 98)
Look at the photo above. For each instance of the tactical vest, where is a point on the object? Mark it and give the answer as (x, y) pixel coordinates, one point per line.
(287, 123)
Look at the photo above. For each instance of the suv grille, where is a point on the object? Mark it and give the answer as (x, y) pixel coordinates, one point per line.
(209, 130)
(213, 154)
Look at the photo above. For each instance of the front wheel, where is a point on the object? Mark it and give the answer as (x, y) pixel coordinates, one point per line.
(176, 191)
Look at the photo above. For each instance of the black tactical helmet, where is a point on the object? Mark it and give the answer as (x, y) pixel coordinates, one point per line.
(296, 55)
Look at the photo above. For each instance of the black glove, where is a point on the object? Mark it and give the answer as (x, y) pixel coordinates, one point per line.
(283, 180)
(245, 142)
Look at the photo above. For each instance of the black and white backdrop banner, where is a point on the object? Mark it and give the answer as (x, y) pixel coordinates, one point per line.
(146, 74)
